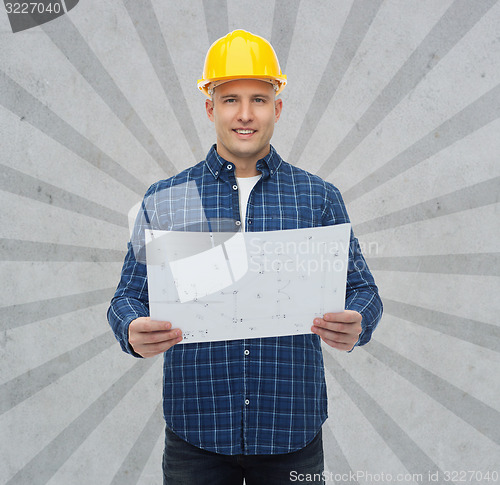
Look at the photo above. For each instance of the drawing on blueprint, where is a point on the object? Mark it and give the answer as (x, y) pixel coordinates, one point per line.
(224, 286)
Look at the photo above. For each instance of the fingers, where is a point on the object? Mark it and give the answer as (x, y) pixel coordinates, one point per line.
(336, 340)
(353, 328)
(152, 349)
(149, 337)
(347, 316)
(338, 345)
(145, 324)
(339, 330)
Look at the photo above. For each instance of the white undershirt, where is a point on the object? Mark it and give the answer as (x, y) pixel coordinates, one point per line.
(245, 186)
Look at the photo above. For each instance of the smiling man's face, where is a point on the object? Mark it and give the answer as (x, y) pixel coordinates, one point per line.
(244, 112)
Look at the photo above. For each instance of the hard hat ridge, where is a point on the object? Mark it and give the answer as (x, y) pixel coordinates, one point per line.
(241, 55)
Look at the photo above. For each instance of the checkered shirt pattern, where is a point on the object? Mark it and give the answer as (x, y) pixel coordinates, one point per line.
(254, 396)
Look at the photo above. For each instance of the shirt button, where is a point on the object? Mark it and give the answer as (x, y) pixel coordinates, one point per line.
(247, 352)
(235, 187)
(229, 167)
(247, 402)
(238, 223)
(249, 221)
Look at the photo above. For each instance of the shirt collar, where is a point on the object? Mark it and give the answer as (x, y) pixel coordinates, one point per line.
(267, 165)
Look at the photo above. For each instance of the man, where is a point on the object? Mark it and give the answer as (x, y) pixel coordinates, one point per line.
(253, 408)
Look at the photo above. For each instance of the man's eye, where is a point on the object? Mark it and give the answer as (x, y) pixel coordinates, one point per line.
(259, 100)
(229, 100)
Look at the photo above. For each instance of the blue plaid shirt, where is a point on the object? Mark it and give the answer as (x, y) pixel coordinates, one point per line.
(255, 396)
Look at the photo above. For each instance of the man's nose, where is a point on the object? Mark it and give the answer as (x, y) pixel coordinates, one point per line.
(245, 113)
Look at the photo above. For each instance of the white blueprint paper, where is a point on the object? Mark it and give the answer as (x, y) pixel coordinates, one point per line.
(225, 286)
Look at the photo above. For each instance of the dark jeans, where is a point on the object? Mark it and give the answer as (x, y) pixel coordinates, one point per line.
(185, 464)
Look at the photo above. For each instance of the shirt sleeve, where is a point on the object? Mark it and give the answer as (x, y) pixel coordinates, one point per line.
(131, 297)
(361, 291)
(130, 300)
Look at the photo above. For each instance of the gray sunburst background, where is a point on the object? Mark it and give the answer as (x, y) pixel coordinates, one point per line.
(396, 102)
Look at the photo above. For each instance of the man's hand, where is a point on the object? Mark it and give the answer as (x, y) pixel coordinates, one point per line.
(150, 337)
(339, 330)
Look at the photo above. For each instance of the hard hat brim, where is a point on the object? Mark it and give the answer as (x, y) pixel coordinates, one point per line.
(204, 84)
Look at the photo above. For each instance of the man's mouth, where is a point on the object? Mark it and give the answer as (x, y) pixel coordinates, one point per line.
(244, 132)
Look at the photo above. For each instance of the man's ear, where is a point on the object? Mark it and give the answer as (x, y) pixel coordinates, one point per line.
(278, 106)
(209, 106)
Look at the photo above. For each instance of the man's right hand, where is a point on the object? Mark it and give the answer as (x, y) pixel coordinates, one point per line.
(150, 337)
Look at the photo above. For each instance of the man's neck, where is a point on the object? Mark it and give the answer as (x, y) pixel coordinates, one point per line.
(244, 167)
(246, 170)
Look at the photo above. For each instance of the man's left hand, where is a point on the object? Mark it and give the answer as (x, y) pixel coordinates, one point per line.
(339, 330)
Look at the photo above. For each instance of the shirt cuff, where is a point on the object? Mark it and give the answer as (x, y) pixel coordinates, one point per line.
(123, 339)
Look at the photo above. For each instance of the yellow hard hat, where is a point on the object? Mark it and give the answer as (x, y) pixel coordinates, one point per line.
(241, 55)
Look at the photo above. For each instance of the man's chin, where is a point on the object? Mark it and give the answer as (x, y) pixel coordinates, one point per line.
(250, 152)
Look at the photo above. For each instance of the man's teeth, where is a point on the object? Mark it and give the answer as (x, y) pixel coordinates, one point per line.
(244, 132)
